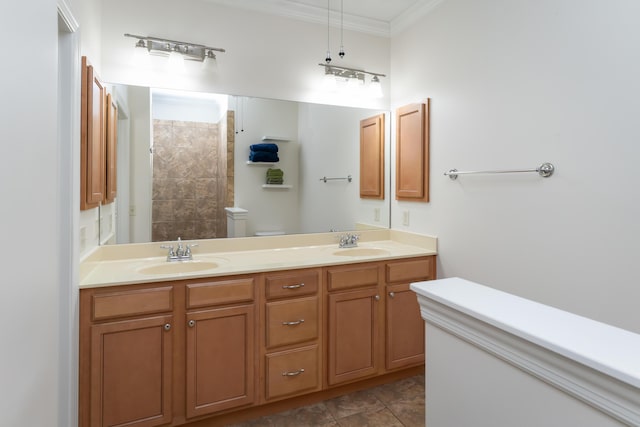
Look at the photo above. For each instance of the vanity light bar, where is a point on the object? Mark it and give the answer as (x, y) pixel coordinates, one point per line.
(350, 73)
(191, 51)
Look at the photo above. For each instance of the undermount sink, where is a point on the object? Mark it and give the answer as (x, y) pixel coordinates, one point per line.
(361, 252)
(178, 267)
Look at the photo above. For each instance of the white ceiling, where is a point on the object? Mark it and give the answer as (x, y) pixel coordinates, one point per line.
(378, 17)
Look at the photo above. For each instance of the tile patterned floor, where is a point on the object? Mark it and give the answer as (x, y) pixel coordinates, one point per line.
(398, 404)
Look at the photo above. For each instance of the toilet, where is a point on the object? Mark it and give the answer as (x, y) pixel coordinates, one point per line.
(236, 222)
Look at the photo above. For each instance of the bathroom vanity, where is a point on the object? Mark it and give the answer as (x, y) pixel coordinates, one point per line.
(248, 325)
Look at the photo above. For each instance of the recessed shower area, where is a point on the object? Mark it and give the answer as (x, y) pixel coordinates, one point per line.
(192, 165)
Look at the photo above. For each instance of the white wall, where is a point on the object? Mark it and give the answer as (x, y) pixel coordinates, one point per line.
(466, 386)
(269, 209)
(30, 223)
(514, 84)
(267, 56)
(140, 163)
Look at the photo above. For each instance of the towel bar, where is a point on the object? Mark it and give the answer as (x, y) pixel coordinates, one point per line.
(325, 179)
(545, 170)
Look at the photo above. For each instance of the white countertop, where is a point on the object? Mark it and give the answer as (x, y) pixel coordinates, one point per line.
(604, 348)
(124, 264)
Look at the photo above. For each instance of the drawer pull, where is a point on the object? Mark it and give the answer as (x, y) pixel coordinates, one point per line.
(298, 286)
(293, 374)
(294, 323)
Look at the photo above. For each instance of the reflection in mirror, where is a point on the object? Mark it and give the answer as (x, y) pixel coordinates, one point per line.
(183, 157)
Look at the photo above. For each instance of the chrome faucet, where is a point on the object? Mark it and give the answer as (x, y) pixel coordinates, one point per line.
(348, 240)
(182, 253)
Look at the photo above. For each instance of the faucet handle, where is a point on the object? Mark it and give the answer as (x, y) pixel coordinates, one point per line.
(187, 251)
(171, 250)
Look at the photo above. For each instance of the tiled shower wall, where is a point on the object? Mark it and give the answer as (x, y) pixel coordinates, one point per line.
(189, 171)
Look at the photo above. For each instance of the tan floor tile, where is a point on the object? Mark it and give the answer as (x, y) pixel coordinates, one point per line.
(307, 416)
(410, 411)
(381, 418)
(354, 403)
(408, 388)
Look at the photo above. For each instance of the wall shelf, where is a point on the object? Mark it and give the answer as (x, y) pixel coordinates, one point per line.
(277, 186)
(276, 138)
(249, 162)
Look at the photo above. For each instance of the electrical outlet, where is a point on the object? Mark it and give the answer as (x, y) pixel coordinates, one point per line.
(405, 218)
(376, 214)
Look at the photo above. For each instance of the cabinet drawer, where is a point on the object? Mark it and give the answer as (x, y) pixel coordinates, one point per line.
(220, 292)
(292, 284)
(419, 269)
(352, 277)
(292, 321)
(292, 371)
(132, 303)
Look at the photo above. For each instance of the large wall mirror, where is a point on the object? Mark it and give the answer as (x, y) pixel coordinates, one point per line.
(184, 167)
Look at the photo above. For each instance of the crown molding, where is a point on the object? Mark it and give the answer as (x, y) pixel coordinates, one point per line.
(65, 15)
(307, 13)
(318, 15)
(412, 15)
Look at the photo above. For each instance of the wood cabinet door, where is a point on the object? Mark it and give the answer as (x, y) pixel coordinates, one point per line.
(404, 328)
(372, 157)
(220, 359)
(353, 340)
(110, 150)
(131, 368)
(92, 138)
(412, 153)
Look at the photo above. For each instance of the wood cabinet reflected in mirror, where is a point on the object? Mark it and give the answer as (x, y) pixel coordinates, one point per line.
(111, 150)
(372, 157)
(412, 152)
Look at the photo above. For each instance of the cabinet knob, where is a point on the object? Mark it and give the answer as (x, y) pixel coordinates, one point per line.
(298, 286)
(167, 326)
(392, 294)
(293, 374)
(293, 323)
(191, 323)
(377, 297)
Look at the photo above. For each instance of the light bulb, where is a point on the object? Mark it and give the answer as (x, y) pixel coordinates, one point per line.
(375, 87)
(176, 62)
(329, 81)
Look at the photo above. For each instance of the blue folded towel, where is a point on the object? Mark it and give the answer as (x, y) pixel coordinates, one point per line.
(269, 147)
(263, 156)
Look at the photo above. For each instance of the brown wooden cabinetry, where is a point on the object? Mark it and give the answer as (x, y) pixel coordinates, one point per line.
(219, 345)
(354, 312)
(372, 157)
(404, 328)
(98, 136)
(92, 137)
(292, 359)
(126, 357)
(111, 139)
(172, 353)
(412, 152)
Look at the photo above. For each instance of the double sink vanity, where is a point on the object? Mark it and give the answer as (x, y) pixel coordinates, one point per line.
(248, 326)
